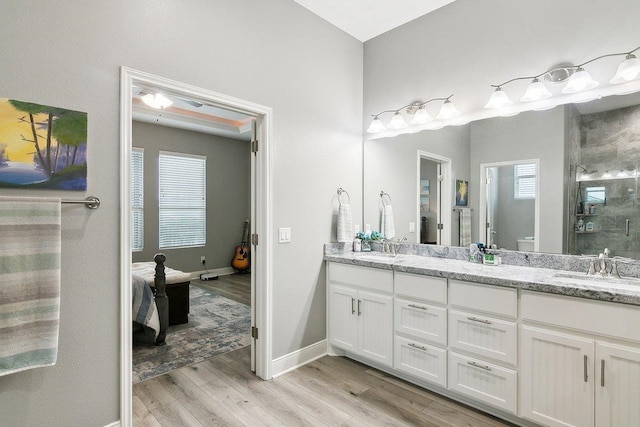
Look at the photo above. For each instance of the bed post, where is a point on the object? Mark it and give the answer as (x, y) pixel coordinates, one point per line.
(162, 302)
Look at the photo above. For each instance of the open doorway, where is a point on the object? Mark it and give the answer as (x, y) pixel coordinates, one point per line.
(260, 212)
(434, 199)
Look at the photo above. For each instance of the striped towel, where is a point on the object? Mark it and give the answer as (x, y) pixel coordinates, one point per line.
(345, 227)
(465, 227)
(29, 282)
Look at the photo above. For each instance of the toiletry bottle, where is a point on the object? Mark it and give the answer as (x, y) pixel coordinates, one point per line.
(589, 226)
(357, 245)
(473, 251)
(580, 225)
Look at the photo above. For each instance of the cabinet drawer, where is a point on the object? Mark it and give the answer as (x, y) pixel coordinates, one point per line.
(421, 360)
(421, 287)
(598, 317)
(491, 299)
(483, 381)
(364, 277)
(421, 321)
(484, 336)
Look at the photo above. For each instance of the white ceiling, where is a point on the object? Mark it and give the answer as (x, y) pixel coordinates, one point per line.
(366, 19)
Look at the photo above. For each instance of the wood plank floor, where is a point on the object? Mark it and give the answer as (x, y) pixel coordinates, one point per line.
(331, 391)
(234, 286)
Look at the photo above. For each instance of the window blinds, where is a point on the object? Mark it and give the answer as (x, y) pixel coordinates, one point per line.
(137, 199)
(182, 200)
(525, 181)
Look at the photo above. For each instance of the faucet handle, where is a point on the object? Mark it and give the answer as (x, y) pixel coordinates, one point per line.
(592, 267)
(614, 269)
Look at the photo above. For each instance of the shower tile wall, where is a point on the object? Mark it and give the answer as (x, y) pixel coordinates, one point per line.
(610, 141)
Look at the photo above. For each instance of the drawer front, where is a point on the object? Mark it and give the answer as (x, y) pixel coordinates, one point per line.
(490, 299)
(422, 321)
(364, 277)
(486, 382)
(598, 317)
(484, 336)
(426, 288)
(421, 360)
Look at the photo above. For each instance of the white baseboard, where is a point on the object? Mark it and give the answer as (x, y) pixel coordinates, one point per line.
(113, 424)
(298, 358)
(224, 271)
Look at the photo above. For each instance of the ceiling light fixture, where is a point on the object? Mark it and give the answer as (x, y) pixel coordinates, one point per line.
(575, 78)
(156, 100)
(419, 112)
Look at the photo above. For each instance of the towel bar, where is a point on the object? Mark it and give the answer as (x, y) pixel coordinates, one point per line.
(340, 192)
(90, 202)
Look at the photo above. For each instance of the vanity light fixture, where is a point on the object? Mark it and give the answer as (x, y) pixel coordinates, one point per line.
(420, 115)
(575, 77)
(606, 175)
(156, 100)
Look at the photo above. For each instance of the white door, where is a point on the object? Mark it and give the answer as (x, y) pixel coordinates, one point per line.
(343, 319)
(617, 385)
(557, 379)
(375, 312)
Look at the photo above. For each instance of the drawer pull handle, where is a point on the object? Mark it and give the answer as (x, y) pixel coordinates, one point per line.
(417, 346)
(353, 308)
(586, 375)
(475, 319)
(474, 364)
(359, 312)
(421, 307)
(602, 372)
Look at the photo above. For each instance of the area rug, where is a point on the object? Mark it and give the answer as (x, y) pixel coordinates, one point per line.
(216, 325)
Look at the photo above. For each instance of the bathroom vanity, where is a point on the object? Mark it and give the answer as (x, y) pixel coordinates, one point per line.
(531, 345)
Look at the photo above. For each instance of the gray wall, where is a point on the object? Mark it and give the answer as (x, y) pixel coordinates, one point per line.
(228, 193)
(429, 170)
(274, 53)
(515, 217)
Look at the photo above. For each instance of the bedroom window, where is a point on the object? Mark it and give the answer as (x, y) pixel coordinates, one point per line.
(182, 200)
(524, 181)
(137, 199)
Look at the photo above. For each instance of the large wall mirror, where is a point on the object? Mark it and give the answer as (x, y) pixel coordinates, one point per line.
(587, 158)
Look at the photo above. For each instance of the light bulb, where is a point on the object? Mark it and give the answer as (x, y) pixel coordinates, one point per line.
(622, 174)
(628, 70)
(421, 116)
(447, 111)
(397, 122)
(156, 100)
(579, 81)
(535, 91)
(498, 99)
(606, 174)
(376, 126)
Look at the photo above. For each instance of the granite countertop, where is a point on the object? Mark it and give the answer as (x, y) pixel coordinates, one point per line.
(569, 283)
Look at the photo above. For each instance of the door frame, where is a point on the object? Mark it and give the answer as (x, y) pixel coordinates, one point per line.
(445, 203)
(261, 214)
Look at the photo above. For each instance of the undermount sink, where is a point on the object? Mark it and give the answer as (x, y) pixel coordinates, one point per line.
(375, 256)
(597, 279)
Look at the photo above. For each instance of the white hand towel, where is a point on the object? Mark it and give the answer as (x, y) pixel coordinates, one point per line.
(345, 227)
(387, 229)
(465, 227)
(29, 282)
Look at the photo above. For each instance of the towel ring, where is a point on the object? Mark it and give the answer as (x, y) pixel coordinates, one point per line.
(382, 195)
(340, 193)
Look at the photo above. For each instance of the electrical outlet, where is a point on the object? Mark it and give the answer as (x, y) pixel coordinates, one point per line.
(202, 260)
(412, 227)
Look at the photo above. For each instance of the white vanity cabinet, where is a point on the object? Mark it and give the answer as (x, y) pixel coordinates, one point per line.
(575, 370)
(420, 325)
(361, 311)
(483, 343)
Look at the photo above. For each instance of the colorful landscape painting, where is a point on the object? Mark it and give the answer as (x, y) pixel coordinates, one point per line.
(42, 146)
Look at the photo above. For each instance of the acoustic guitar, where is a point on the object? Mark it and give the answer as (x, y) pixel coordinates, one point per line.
(240, 259)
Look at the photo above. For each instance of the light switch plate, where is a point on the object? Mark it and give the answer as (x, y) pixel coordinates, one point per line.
(412, 227)
(284, 235)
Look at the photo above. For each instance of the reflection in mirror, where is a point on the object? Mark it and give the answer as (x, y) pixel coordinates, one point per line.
(588, 145)
(509, 202)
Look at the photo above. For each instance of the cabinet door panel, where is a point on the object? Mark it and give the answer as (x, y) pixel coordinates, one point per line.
(421, 360)
(617, 385)
(422, 321)
(484, 336)
(343, 319)
(483, 381)
(557, 378)
(375, 312)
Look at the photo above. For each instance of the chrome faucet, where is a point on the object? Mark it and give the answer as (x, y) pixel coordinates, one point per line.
(388, 247)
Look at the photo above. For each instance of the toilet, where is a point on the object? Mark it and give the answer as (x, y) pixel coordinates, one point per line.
(526, 245)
